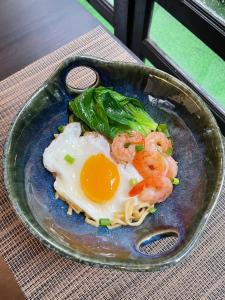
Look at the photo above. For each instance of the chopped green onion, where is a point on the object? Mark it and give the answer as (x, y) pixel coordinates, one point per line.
(104, 222)
(139, 148)
(126, 145)
(71, 119)
(70, 159)
(169, 151)
(163, 128)
(152, 210)
(133, 181)
(60, 128)
(176, 181)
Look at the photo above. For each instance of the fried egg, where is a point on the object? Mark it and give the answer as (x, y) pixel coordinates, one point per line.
(93, 181)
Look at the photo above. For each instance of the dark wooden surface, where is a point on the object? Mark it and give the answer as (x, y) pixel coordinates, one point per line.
(30, 29)
(9, 289)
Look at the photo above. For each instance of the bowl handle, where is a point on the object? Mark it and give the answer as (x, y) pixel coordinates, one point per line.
(72, 62)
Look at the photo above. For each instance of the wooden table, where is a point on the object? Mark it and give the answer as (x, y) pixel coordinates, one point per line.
(28, 31)
(34, 28)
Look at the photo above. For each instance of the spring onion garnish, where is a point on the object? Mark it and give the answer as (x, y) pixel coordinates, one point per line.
(139, 148)
(152, 210)
(176, 181)
(163, 128)
(126, 145)
(169, 151)
(70, 159)
(104, 222)
(133, 181)
(60, 128)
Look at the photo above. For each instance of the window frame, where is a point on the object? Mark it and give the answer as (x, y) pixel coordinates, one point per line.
(132, 20)
(118, 16)
(208, 29)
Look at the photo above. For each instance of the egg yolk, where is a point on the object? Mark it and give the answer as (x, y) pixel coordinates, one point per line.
(99, 178)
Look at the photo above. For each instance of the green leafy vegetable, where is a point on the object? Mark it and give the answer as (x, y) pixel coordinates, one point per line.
(163, 128)
(104, 222)
(110, 113)
(176, 181)
(70, 159)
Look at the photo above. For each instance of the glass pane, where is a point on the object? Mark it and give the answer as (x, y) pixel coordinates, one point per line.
(190, 53)
(111, 2)
(215, 7)
(148, 63)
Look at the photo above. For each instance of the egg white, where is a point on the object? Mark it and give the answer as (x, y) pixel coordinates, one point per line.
(67, 176)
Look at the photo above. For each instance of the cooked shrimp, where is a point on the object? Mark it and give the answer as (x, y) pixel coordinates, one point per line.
(150, 163)
(172, 169)
(153, 189)
(157, 141)
(123, 145)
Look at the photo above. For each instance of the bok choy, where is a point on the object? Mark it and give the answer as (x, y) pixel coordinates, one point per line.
(108, 112)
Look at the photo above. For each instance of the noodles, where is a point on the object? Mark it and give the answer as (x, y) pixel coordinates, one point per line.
(89, 221)
(70, 211)
(133, 215)
(72, 206)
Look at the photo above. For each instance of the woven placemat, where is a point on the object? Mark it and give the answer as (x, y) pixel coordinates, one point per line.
(43, 274)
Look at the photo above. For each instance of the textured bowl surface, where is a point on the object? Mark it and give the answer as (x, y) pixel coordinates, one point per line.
(197, 147)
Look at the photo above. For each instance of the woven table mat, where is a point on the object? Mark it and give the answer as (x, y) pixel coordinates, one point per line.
(43, 274)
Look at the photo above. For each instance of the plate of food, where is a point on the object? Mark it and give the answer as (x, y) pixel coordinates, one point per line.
(102, 173)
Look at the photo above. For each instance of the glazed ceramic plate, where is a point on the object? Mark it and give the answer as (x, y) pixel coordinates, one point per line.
(197, 147)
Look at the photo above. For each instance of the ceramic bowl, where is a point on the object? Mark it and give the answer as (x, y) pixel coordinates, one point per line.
(197, 147)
